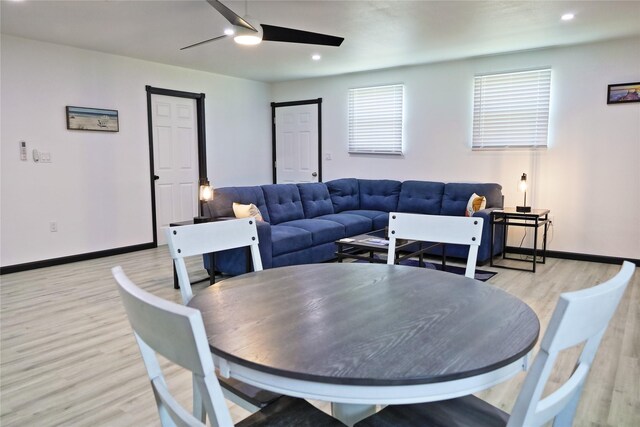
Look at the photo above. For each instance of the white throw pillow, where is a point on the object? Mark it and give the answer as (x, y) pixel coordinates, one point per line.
(475, 204)
(246, 211)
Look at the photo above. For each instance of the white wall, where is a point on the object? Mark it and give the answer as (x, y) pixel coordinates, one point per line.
(589, 176)
(97, 187)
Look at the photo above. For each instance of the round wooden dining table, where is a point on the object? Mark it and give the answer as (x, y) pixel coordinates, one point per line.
(358, 335)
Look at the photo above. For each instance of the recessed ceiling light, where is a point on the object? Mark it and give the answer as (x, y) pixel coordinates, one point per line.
(229, 31)
(567, 16)
(316, 57)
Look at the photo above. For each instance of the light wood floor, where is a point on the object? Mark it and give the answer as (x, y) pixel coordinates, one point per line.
(68, 356)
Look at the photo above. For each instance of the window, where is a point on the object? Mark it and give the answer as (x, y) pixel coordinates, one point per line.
(511, 109)
(375, 119)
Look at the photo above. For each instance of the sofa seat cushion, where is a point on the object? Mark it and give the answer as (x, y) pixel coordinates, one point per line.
(345, 194)
(315, 199)
(353, 224)
(283, 202)
(289, 239)
(379, 194)
(322, 231)
(379, 219)
(421, 197)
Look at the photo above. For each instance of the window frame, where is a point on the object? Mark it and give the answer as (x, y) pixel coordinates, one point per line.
(385, 135)
(503, 121)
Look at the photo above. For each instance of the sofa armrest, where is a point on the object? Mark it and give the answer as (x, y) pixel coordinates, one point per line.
(483, 254)
(266, 249)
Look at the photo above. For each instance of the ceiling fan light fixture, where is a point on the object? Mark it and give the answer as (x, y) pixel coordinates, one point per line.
(229, 32)
(248, 40)
(247, 37)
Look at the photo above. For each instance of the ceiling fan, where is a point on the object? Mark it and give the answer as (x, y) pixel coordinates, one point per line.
(244, 32)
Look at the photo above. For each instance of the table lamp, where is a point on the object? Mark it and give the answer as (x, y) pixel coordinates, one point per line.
(205, 194)
(523, 187)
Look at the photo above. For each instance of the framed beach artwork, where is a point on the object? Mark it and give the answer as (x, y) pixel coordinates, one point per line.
(623, 92)
(97, 119)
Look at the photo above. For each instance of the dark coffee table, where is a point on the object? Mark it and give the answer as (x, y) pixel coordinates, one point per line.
(365, 246)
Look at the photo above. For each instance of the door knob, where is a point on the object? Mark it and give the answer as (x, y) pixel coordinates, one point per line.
(314, 174)
(156, 177)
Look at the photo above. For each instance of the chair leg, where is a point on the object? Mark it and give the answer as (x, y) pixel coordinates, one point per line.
(198, 408)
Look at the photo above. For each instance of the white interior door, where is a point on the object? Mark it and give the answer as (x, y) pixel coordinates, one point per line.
(175, 158)
(297, 158)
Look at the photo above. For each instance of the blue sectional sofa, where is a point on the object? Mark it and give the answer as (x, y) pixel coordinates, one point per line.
(302, 221)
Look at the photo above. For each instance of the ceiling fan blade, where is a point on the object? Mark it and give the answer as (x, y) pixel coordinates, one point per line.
(202, 42)
(282, 34)
(230, 15)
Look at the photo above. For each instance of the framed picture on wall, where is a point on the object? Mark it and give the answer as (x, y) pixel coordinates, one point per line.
(97, 119)
(623, 92)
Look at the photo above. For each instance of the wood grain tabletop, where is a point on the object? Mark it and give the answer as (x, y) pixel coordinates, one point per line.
(365, 324)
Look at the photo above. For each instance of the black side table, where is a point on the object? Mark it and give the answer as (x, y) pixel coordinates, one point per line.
(511, 217)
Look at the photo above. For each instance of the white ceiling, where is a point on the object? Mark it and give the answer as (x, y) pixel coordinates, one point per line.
(378, 34)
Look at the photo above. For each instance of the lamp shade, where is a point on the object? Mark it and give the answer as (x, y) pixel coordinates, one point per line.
(206, 191)
(522, 186)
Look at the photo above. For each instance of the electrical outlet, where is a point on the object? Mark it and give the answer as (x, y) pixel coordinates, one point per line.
(53, 226)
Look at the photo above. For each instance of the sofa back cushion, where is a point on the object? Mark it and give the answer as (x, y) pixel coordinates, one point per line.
(345, 194)
(283, 202)
(379, 194)
(456, 196)
(315, 199)
(423, 197)
(224, 197)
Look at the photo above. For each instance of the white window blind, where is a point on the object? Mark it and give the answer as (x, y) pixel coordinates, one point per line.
(375, 119)
(511, 109)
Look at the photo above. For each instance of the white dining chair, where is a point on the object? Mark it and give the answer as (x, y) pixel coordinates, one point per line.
(459, 230)
(208, 237)
(177, 333)
(201, 239)
(579, 317)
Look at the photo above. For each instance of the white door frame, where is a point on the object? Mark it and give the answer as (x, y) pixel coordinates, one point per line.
(275, 105)
(202, 151)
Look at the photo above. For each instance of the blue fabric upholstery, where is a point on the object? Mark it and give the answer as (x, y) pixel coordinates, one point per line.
(457, 195)
(303, 221)
(345, 194)
(322, 231)
(314, 254)
(422, 197)
(315, 199)
(289, 239)
(379, 194)
(283, 202)
(379, 219)
(353, 224)
(224, 197)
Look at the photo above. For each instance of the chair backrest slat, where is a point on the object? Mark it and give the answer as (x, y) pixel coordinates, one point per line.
(437, 228)
(200, 239)
(177, 333)
(581, 316)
